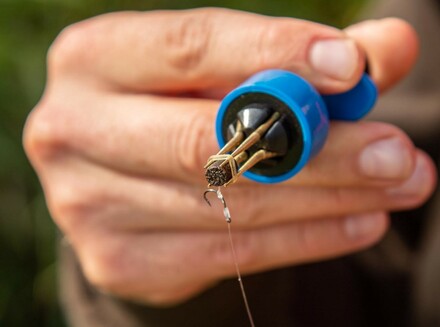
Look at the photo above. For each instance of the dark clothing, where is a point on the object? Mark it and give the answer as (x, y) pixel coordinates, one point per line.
(396, 283)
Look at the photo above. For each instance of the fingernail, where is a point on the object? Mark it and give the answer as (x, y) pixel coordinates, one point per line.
(336, 58)
(417, 184)
(388, 159)
(363, 225)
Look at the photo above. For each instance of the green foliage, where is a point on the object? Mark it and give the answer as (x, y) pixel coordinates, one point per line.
(27, 235)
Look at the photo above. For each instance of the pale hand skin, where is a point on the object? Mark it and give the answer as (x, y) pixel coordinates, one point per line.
(125, 126)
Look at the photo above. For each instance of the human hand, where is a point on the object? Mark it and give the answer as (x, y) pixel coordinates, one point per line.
(125, 126)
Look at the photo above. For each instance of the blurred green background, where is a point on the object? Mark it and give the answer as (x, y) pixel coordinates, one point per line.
(28, 292)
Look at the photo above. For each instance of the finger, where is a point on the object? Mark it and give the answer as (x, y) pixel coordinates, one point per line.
(180, 134)
(363, 153)
(391, 46)
(83, 198)
(168, 51)
(168, 267)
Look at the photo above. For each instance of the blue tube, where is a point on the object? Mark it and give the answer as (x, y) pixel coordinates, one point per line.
(311, 110)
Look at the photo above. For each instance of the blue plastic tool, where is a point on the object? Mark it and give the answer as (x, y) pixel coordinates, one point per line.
(306, 116)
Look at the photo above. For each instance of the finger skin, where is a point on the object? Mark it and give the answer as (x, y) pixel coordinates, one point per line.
(173, 138)
(158, 268)
(80, 193)
(389, 58)
(175, 51)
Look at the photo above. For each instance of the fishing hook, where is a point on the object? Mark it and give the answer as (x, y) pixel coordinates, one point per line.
(219, 194)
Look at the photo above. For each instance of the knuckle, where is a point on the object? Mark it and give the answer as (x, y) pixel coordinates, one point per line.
(281, 45)
(191, 143)
(72, 205)
(104, 267)
(187, 41)
(44, 135)
(72, 47)
(81, 211)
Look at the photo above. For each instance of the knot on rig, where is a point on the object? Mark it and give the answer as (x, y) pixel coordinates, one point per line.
(224, 169)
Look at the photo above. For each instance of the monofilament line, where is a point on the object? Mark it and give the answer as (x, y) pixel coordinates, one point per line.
(240, 281)
(228, 219)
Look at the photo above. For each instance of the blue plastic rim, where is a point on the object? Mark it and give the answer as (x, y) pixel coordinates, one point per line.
(305, 128)
(353, 104)
(310, 108)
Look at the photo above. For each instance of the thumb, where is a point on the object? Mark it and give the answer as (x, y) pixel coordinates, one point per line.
(391, 46)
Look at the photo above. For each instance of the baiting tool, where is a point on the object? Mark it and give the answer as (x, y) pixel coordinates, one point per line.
(270, 126)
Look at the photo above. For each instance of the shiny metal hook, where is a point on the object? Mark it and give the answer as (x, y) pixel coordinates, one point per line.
(219, 194)
(209, 190)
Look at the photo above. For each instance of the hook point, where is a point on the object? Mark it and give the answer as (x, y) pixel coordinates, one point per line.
(206, 197)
